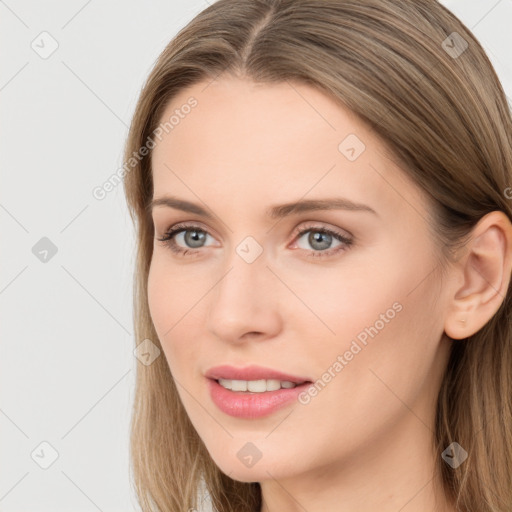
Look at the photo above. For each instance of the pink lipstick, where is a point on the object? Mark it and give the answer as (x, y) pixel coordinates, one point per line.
(254, 391)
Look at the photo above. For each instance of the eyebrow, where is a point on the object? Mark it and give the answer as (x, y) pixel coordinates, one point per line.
(274, 212)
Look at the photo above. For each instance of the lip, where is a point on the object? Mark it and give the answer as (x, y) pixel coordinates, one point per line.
(250, 405)
(252, 372)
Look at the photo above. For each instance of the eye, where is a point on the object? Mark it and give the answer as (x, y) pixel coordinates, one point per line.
(190, 236)
(320, 239)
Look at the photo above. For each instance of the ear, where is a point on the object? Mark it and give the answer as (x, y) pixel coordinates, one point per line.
(482, 276)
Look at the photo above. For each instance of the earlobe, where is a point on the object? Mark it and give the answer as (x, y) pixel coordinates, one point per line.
(485, 271)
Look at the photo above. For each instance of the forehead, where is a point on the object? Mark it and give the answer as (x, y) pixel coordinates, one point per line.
(246, 143)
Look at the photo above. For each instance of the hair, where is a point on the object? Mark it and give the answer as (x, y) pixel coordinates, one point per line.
(447, 123)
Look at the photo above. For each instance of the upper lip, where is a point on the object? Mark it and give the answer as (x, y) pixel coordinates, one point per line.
(252, 372)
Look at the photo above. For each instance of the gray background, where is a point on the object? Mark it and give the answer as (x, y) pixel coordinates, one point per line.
(66, 363)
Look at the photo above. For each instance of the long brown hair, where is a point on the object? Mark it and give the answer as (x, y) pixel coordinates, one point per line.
(421, 80)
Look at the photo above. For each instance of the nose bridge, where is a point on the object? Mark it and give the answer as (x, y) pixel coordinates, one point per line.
(247, 273)
(244, 299)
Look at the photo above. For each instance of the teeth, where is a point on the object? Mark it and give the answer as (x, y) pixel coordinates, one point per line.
(256, 386)
(273, 385)
(239, 385)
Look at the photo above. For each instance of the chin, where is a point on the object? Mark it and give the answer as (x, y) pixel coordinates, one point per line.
(264, 469)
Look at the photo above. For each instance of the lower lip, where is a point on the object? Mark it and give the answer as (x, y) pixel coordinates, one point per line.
(252, 405)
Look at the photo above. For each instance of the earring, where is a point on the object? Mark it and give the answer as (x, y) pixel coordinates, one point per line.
(463, 321)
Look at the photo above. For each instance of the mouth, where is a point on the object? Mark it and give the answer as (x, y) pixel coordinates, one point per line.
(253, 392)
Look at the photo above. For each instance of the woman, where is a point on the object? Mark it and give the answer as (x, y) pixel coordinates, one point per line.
(321, 193)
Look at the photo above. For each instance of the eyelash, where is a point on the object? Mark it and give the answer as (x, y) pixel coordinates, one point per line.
(168, 240)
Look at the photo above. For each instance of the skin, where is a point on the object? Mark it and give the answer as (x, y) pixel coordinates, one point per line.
(364, 442)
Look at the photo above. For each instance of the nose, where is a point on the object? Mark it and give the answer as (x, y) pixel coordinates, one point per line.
(244, 303)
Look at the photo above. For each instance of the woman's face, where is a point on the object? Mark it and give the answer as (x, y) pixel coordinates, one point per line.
(353, 305)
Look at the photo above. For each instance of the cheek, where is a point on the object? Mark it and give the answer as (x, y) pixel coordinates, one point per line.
(160, 299)
(338, 301)
(171, 293)
(174, 305)
(380, 315)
